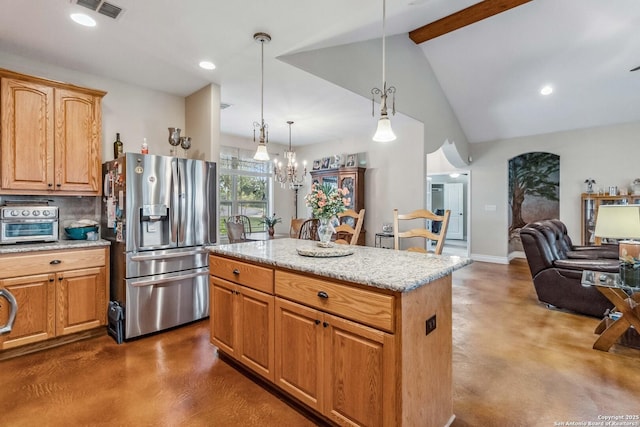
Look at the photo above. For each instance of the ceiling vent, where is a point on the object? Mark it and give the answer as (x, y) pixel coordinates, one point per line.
(102, 7)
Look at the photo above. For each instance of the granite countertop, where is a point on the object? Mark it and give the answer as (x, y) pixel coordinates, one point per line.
(60, 244)
(400, 271)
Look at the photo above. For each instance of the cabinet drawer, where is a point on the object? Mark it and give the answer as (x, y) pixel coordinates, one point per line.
(50, 262)
(363, 306)
(252, 276)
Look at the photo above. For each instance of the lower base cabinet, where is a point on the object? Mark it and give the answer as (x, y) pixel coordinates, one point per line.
(241, 323)
(35, 297)
(68, 295)
(337, 366)
(342, 369)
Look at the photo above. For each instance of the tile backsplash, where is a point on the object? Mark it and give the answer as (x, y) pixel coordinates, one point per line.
(70, 208)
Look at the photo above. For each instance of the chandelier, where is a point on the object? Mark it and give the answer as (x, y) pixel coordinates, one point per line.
(384, 133)
(289, 175)
(263, 139)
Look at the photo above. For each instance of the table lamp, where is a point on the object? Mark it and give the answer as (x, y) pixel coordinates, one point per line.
(622, 222)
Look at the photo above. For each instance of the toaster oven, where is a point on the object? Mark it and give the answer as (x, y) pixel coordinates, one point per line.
(28, 223)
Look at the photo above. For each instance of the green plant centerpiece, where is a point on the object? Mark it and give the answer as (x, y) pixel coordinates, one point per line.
(326, 201)
(270, 222)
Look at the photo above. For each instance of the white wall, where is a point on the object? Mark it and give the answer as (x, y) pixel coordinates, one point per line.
(394, 177)
(134, 112)
(607, 154)
(203, 123)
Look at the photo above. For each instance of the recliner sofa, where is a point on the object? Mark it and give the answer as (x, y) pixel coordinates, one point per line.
(556, 267)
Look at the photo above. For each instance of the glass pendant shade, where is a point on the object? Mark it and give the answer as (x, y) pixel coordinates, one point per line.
(384, 133)
(261, 152)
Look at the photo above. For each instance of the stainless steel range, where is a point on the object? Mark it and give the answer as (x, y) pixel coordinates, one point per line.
(159, 214)
(23, 222)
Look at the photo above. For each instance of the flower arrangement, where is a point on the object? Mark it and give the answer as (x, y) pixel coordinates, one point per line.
(270, 221)
(326, 201)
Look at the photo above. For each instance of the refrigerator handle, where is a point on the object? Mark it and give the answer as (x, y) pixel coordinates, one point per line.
(165, 256)
(175, 201)
(140, 283)
(182, 199)
(12, 313)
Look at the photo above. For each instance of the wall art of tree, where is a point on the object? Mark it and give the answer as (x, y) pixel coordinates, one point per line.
(533, 177)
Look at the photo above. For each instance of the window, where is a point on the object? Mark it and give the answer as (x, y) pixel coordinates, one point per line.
(245, 187)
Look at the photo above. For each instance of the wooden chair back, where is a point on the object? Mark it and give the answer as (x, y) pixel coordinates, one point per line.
(235, 232)
(309, 230)
(294, 229)
(244, 220)
(346, 233)
(423, 215)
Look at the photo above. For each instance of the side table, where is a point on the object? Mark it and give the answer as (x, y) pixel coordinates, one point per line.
(626, 300)
(380, 237)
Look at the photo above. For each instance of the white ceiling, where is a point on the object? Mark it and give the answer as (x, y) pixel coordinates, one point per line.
(490, 71)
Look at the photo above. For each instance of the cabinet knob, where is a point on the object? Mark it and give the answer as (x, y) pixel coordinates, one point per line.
(325, 324)
(49, 185)
(236, 271)
(58, 185)
(323, 294)
(55, 261)
(60, 278)
(317, 322)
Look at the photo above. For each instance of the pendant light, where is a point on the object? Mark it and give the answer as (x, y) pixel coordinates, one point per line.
(384, 133)
(263, 139)
(289, 175)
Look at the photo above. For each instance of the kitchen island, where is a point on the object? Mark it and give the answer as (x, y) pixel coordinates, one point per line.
(362, 339)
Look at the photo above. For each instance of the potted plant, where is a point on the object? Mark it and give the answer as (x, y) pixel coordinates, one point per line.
(270, 222)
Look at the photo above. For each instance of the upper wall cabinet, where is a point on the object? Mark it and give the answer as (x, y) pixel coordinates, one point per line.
(50, 138)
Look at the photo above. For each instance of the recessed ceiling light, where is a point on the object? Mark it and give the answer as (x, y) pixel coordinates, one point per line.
(207, 65)
(454, 174)
(547, 90)
(82, 19)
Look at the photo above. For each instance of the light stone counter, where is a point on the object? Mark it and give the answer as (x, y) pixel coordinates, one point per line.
(399, 271)
(59, 245)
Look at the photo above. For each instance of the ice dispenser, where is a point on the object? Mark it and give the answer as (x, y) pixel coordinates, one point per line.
(154, 226)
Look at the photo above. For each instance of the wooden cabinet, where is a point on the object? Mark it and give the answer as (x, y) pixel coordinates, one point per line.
(351, 178)
(590, 202)
(51, 137)
(81, 300)
(57, 292)
(242, 313)
(337, 367)
(328, 356)
(35, 297)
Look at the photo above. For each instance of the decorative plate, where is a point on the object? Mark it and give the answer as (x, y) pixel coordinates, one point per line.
(319, 252)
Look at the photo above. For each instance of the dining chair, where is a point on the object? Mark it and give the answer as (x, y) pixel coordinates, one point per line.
(244, 220)
(294, 228)
(235, 232)
(309, 230)
(423, 215)
(348, 232)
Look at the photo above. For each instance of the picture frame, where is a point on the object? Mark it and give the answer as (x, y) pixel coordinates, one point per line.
(337, 161)
(351, 160)
(316, 165)
(325, 163)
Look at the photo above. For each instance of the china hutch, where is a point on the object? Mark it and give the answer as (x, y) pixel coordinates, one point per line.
(590, 204)
(351, 178)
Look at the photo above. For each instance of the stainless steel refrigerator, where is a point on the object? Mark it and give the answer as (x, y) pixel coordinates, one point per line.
(159, 213)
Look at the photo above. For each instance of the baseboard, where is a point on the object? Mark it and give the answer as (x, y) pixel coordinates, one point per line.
(53, 342)
(490, 258)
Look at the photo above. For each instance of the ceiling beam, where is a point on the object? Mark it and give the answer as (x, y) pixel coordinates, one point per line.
(462, 18)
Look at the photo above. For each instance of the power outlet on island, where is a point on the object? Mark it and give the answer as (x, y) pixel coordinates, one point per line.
(430, 324)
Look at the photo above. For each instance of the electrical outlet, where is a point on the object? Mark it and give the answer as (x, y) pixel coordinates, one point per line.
(430, 324)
